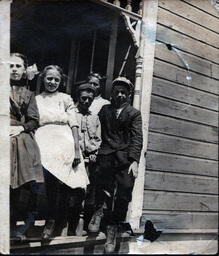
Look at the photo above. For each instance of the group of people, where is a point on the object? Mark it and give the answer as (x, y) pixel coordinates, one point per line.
(86, 152)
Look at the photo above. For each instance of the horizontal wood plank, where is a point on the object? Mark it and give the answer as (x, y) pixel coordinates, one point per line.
(187, 27)
(170, 144)
(181, 128)
(204, 5)
(188, 44)
(164, 181)
(169, 107)
(181, 164)
(215, 70)
(170, 72)
(185, 94)
(196, 64)
(191, 13)
(185, 220)
(159, 200)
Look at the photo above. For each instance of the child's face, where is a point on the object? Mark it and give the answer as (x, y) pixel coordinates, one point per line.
(17, 68)
(52, 80)
(120, 94)
(85, 99)
(95, 82)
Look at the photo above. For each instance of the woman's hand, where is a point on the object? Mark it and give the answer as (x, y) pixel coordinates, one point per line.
(16, 130)
(77, 159)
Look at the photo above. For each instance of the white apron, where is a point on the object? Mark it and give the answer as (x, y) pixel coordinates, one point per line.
(55, 139)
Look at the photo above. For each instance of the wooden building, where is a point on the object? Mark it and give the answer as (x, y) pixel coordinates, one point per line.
(181, 179)
(174, 62)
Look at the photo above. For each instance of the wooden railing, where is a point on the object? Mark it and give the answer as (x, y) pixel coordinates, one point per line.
(132, 8)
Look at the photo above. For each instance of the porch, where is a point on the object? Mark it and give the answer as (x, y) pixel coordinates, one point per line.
(171, 241)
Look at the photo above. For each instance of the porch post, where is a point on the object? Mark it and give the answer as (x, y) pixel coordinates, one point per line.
(4, 124)
(111, 55)
(142, 98)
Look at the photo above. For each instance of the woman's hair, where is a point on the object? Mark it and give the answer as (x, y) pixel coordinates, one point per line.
(43, 74)
(23, 57)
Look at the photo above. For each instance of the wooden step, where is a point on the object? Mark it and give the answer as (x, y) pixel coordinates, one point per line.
(94, 243)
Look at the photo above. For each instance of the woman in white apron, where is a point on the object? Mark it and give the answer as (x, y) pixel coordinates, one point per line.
(57, 137)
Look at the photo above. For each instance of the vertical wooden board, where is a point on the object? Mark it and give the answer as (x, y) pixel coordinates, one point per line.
(71, 67)
(172, 108)
(181, 164)
(188, 44)
(187, 27)
(5, 150)
(181, 220)
(144, 79)
(181, 128)
(111, 53)
(195, 64)
(185, 94)
(159, 200)
(191, 13)
(204, 5)
(4, 125)
(171, 144)
(157, 180)
(176, 74)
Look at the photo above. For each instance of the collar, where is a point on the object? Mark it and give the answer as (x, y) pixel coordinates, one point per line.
(78, 111)
(98, 97)
(123, 106)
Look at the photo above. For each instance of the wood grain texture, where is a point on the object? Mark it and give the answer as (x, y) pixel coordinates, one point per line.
(186, 27)
(181, 164)
(187, 44)
(196, 64)
(164, 181)
(161, 200)
(181, 178)
(185, 94)
(183, 111)
(170, 144)
(181, 220)
(191, 13)
(178, 75)
(204, 5)
(181, 128)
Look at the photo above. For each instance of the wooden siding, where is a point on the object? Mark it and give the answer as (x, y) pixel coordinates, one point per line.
(181, 178)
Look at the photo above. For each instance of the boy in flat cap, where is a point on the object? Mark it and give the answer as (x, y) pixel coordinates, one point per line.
(118, 158)
(89, 140)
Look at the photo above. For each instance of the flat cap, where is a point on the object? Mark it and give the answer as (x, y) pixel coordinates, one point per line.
(123, 81)
(86, 87)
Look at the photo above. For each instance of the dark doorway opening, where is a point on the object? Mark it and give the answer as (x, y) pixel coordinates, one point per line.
(75, 35)
(72, 34)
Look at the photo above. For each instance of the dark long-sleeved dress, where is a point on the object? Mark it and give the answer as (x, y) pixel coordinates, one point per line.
(25, 155)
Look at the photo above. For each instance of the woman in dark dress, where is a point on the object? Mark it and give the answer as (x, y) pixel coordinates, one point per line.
(26, 169)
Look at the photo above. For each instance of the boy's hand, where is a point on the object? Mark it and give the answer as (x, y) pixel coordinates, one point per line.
(134, 169)
(93, 158)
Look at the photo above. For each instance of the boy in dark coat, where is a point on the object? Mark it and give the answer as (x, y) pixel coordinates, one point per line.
(118, 159)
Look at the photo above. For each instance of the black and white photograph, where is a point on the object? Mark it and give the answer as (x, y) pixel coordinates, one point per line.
(109, 127)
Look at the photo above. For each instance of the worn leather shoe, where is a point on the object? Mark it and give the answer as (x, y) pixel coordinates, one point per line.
(48, 229)
(110, 238)
(94, 224)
